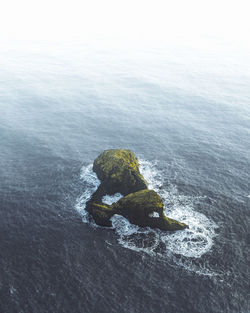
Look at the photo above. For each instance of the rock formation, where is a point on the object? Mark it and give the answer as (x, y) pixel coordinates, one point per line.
(118, 171)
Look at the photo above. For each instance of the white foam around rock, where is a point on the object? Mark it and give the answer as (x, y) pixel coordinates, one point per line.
(90, 183)
(110, 199)
(189, 243)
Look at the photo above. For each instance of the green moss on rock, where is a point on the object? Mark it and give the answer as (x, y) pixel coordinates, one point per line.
(101, 213)
(118, 171)
(145, 208)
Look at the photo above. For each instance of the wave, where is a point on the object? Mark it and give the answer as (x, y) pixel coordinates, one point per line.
(90, 184)
(183, 247)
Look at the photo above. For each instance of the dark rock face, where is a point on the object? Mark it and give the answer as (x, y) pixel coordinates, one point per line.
(118, 171)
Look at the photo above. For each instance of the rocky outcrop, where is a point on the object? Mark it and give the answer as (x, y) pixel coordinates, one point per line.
(101, 213)
(145, 208)
(118, 171)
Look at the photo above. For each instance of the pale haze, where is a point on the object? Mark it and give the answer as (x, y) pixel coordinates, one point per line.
(133, 20)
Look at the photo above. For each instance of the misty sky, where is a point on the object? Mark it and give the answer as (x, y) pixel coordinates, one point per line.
(131, 19)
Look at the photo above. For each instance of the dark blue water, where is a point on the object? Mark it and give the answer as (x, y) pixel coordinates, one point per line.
(186, 113)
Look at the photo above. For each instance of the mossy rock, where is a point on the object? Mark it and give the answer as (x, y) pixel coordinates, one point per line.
(101, 213)
(118, 171)
(145, 208)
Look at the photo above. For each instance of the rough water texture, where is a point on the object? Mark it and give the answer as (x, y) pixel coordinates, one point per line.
(185, 112)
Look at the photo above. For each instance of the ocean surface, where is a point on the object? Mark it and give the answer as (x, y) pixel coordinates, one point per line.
(185, 112)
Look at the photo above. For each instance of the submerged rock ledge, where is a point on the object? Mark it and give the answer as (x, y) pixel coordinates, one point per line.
(118, 171)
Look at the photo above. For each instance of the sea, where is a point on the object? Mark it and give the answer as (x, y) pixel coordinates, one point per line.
(184, 110)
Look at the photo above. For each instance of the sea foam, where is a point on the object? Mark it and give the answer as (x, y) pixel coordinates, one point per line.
(180, 246)
(90, 184)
